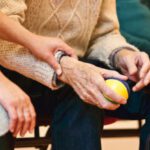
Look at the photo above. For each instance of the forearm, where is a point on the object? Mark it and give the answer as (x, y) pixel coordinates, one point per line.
(17, 58)
(13, 31)
(107, 37)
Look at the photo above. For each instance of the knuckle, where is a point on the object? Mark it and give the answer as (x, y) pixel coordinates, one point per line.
(21, 119)
(108, 92)
(28, 119)
(14, 102)
(26, 97)
(85, 96)
(14, 118)
(81, 97)
(104, 105)
(47, 56)
(114, 72)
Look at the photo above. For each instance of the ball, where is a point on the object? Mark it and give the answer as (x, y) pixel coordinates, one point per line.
(121, 87)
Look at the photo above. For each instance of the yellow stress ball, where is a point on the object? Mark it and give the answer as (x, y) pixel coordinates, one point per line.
(119, 86)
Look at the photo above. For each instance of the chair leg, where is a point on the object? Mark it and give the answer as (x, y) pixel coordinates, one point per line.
(140, 124)
(48, 135)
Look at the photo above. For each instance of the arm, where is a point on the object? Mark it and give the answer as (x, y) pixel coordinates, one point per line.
(15, 102)
(110, 47)
(106, 36)
(88, 82)
(11, 30)
(18, 58)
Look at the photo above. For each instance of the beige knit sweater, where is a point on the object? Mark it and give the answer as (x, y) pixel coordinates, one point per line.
(89, 26)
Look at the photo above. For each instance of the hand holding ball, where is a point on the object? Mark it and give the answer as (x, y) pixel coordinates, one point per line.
(119, 86)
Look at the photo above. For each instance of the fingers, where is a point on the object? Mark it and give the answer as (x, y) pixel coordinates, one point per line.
(142, 83)
(147, 79)
(33, 119)
(100, 101)
(68, 50)
(138, 86)
(22, 117)
(144, 73)
(109, 93)
(51, 60)
(105, 104)
(20, 121)
(131, 67)
(13, 118)
(94, 97)
(27, 121)
(145, 65)
(113, 74)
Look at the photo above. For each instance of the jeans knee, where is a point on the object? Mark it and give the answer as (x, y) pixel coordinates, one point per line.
(4, 125)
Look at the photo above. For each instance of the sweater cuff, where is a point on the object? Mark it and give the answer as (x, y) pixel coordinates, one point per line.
(55, 82)
(113, 54)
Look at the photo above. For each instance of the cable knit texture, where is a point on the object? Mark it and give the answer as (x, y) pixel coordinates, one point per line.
(89, 26)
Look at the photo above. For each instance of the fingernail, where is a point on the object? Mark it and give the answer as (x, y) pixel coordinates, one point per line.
(59, 72)
(124, 102)
(22, 135)
(146, 82)
(12, 130)
(141, 75)
(31, 131)
(134, 89)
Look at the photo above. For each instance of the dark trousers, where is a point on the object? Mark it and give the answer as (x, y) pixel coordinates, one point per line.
(75, 124)
(138, 107)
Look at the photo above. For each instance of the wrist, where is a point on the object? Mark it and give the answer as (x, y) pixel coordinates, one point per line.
(119, 55)
(68, 65)
(30, 40)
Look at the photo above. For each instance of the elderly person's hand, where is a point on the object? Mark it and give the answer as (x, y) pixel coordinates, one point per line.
(88, 82)
(135, 65)
(19, 107)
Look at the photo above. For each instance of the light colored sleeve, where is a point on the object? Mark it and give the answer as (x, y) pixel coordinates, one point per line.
(16, 57)
(106, 37)
(4, 127)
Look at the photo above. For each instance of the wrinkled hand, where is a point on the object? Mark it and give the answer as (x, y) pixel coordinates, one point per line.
(88, 82)
(135, 65)
(45, 48)
(20, 110)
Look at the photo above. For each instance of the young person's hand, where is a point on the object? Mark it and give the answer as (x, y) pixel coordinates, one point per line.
(19, 107)
(88, 82)
(45, 48)
(41, 47)
(135, 65)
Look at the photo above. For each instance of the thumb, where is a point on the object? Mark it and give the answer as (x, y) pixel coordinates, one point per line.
(54, 64)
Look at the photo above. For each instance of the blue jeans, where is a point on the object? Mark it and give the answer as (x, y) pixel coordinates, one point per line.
(138, 107)
(77, 125)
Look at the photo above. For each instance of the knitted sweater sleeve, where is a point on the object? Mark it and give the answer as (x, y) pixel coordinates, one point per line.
(16, 57)
(106, 37)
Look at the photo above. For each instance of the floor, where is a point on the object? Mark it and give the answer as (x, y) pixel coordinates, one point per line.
(111, 143)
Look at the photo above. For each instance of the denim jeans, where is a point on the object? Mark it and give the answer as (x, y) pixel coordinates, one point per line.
(75, 124)
(138, 107)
